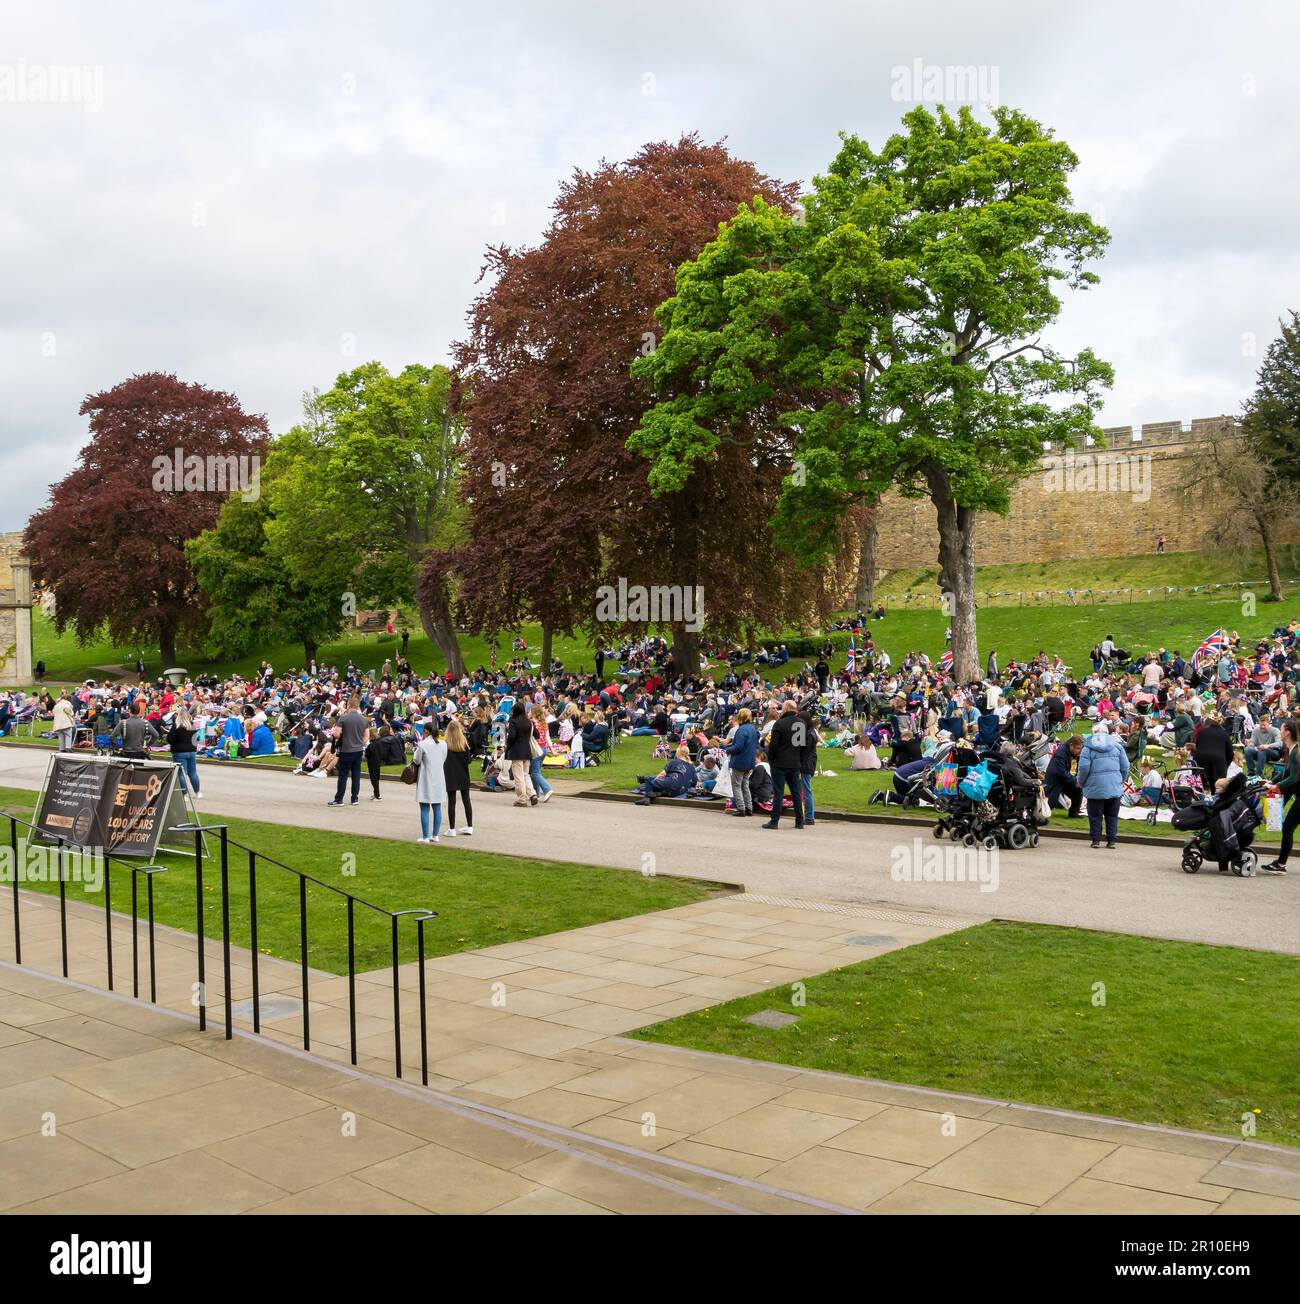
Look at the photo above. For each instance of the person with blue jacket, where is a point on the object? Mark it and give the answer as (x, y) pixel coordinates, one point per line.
(1103, 768)
(261, 741)
(742, 751)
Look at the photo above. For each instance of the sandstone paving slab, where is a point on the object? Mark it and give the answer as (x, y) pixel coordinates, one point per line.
(1012, 1163)
(700, 1103)
(446, 1181)
(542, 1200)
(190, 1120)
(856, 1181)
(148, 1076)
(189, 1183)
(1089, 1196)
(1159, 1170)
(342, 1195)
(774, 1131)
(911, 1136)
(35, 1166)
(1252, 1202)
(28, 1107)
(313, 1148)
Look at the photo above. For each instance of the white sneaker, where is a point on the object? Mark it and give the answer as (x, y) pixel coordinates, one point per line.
(546, 796)
(465, 832)
(450, 833)
(433, 839)
(422, 840)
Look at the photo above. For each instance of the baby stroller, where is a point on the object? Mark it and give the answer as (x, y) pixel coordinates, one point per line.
(1223, 828)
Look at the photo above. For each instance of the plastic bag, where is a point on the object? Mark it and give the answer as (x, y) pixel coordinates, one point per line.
(978, 782)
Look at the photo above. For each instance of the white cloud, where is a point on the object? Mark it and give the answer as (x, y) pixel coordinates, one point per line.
(349, 164)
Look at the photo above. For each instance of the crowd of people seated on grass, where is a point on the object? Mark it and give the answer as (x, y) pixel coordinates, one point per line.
(722, 732)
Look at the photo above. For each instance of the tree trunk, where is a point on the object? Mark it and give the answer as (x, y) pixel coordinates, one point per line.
(864, 594)
(167, 645)
(686, 651)
(546, 647)
(309, 648)
(957, 575)
(1270, 556)
(437, 623)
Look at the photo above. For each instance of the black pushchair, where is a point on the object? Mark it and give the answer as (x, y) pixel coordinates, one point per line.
(1223, 828)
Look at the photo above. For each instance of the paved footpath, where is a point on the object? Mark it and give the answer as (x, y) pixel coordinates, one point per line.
(1134, 889)
(536, 1103)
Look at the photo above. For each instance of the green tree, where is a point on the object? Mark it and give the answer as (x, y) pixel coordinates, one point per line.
(1271, 421)
(372, 491)
(905, 308)
(254, 597)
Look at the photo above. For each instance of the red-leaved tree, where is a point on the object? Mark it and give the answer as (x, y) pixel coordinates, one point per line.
(558, 504)
(111, 543)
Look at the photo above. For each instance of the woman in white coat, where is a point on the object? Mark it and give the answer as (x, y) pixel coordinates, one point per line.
(430, 781)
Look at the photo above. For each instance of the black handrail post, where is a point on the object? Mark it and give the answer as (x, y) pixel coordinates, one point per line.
(198, 890)
(302, 928)
(424, 1014)
(252, 928)
(397, 1006)
(352, 977)
(18, 932)
(225, 930)
(63, 905)
(108, 910)
(135, 935)
(153, 956)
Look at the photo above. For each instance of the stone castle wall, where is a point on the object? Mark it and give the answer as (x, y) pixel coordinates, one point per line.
(1057, 516)
(15, 613)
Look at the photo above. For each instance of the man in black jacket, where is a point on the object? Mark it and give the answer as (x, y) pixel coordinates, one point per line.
(1059, 782)
(785, 747)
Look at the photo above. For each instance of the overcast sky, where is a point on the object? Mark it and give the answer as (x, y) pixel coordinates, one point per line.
(258, 196)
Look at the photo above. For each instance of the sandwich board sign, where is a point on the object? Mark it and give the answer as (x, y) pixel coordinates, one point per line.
(118, 807)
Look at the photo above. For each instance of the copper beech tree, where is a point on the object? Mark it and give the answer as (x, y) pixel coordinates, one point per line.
(111, 544)
(558, 503)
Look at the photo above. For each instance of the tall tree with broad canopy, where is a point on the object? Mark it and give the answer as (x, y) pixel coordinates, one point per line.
(904, 308)
(253, 596)
(111, 544)
(372, 490)
(559, 505)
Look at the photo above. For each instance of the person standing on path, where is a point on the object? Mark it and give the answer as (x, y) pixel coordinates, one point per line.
(430, 761)
(1288, 785)
(785, 747)
(541, 732)
(742, 751)
(180, 739)
(809, 766)
(354, 735)
(519, 752)
(1103, 767)
(456, 772)
(64, 723)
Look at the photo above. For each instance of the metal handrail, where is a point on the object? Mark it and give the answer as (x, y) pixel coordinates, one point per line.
(225, 842)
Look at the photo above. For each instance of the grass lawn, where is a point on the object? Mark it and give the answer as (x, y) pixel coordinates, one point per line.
(1178, 621)
(1189, 1036)
(482, 899)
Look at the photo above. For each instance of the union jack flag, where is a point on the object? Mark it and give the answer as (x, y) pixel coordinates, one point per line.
(852, 663)
(1211, 649)
(944, 663)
